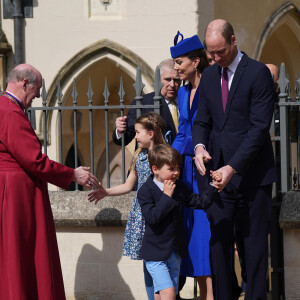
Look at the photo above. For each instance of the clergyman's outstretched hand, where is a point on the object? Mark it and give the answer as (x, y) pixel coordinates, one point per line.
(85, 178)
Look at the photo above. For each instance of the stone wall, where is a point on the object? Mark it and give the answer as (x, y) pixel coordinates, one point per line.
(290, 223)
(90, 239)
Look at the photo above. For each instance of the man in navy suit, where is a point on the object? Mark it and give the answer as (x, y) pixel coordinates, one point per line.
(171, 83)
(235, 111)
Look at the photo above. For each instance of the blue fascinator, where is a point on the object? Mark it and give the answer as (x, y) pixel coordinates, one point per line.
(185, 45)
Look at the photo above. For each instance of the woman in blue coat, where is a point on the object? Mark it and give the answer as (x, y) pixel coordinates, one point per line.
(190, 61)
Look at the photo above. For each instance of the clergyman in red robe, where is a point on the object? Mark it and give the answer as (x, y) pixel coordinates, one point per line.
(29, 259)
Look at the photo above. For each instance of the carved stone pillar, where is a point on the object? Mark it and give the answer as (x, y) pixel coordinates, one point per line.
(5, 49)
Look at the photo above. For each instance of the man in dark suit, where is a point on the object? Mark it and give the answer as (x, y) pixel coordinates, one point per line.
(171, 84)
(235, 111)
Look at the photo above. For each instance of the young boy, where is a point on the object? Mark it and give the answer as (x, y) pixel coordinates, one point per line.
(162, 199)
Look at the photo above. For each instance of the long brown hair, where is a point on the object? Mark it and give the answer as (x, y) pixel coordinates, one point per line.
(151, 121)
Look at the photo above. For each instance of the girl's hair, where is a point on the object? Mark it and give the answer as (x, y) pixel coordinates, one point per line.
(151, 121)
(198, 53)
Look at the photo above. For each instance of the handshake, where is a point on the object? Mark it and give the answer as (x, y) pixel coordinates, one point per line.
(84, 177)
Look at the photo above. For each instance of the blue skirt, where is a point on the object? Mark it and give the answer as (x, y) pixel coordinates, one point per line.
(197, 230)
(197, 227)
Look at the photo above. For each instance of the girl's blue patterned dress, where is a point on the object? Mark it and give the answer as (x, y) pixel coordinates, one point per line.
(135, 226)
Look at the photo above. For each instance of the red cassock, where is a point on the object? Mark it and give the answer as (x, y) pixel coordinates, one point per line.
(29, 259)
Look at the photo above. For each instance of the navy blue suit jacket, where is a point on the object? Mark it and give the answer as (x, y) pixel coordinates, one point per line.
(164, 227)
(129, 133)
(241, 134)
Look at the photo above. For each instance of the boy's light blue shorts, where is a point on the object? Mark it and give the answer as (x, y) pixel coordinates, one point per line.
(165, 274)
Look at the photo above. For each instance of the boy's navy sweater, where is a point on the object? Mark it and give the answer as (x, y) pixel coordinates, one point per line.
(164, 227)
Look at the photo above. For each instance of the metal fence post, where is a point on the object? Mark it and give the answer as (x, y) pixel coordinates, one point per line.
(106, 96)
(44, 103)
(157, 87)
(138, 85)
(90, 95)
(59, 96)
(121, 95)
(297, 90)
(75, 95)
(284, 149)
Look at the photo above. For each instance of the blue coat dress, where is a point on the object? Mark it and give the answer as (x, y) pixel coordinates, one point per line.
(197, 229)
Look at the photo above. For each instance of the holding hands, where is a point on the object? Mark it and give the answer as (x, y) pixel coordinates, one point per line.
(220, 177)
(216, 177)
(226, 174)
(98, 194)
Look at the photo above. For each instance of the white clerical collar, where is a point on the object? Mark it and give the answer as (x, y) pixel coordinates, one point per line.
(13, 95)
(159, 184)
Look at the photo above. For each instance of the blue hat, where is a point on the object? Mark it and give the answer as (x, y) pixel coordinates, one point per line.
(185, 45)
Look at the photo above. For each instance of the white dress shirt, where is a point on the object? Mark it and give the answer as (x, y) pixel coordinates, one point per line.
(231, 71)
(232, 68)
(159, 184)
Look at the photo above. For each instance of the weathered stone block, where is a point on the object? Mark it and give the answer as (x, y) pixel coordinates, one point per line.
(74, 209)
(290, 223)
(290, 210)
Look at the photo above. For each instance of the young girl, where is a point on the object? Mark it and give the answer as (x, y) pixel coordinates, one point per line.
(148, 128)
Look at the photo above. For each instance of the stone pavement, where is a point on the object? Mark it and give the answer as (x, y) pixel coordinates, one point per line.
(269, 297)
